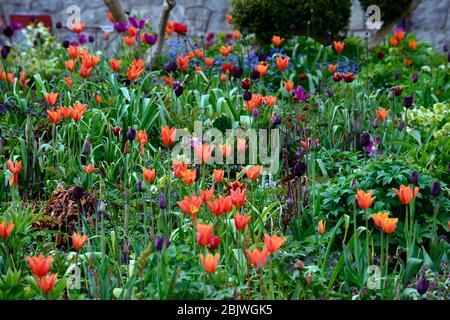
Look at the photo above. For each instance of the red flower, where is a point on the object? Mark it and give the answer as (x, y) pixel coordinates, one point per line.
(204, 234)
(78, 241)
(15, 168)
(40, 265)
(6, 229)
(47, 283)
(180, 28)
(241, 221)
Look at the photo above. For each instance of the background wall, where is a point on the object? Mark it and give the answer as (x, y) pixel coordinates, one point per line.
(430, 21)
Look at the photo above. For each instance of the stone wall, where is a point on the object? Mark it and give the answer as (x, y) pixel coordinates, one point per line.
(430, 21)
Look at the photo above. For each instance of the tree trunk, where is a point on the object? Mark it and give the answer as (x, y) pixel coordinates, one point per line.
(163, 20)
(116, 9)
(386, 28)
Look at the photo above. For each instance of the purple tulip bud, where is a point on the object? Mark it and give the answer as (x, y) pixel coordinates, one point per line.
(66, 44)
(237, 72)
(82, 38)
(150, 38)
(299, 168)
(162, 202)
(436, 189)
(121, 26)
(422, 285)
(255, 112)
(398, 91)
(401, 125)
(262, 57)
(87, 146)
(330, 92)
(247, 95)
(159, 242)
(407, 102)
(396, 75)
(276, 120)
(301, 95)
(170, 66)
(299, 153)
(293, 27)
(290, 201)
(8, 31)
(364, 139)
(91, 39)
(139, 186)
(414, 177)
(59, 25)
(5, 51)
(415, 77)
(178, 89)
(131, 134)
(255, 74)
(74, 44)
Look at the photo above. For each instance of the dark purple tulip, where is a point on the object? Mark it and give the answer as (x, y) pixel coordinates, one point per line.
(407, 102)
(121, 26)
(415, 77)
(255, 74)
(396, 74)
(398, 91)
(150, 38)
(445, 47)
(276, 120)
(237, 72)
(170, 66)
(422, 285)
(59, 25)
(255, 112)
(139, 186)
(131, 134)
(5, 51)
(166, 242)
(247, 95)
(74, 44)
(159, 242)
(301, 95)
(364, 139)
(8, 31)
(330, 92)
(436, 189)
(262, 57)
(375, 123)
(293, 27)
(290, 201)
(91, 39)
(299, 153)
(414, 177)
(87, 146)
(299, 168)
(66, 43)
(162, 202)
(82, 38)
(178, 89)
(401, 125)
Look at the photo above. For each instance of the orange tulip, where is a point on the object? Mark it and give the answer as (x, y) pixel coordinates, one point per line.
(51, 98)
(168, 135)
(241, 145)
(70, 65)
(306, 144)
(223, 77)
(412, 44)
(179, 168)
(128, 41)
(218, 175)
(253, 172)
(199, 54)
(321, 226)
(273, 243)
(216, 206)
(15, 168)
(132, 31)
(78, 27)
(229, 18)
(282, 63)
(339, 46)
(149, 175)
(382, 114)
(406, 194)
(241, 221)
(332, 68)
(115, 64)
(225, 51)
(65, 112)
(238, 197)
(226, 150)
(209, 62)
(78, 241)
(188, 176)
(40, 265)
(6, 228)
(98, 99)
(270, 100)
(85, 71)
(183, 62)
(209, 263)
(141, 137)
(203, 152)
(190, 205)
(227, 203)
(110, 17)
(262, 68)
(365, 200)
(89, 168)
(277, 40)
(135, 70)
(204, 234)
(393, 42)
(73, 52)
(47, 282)
(257, 257)
(389, 225)
(168, 80)
(236, 34)
(68, 81)
(206, 195)
(399, 35)
(378, 218)
(53, 116)
(289, 85)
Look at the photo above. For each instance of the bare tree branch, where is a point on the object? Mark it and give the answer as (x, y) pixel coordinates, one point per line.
(116, 9)
(163, 20)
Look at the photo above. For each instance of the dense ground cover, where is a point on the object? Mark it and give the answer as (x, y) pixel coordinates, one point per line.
(101, 198)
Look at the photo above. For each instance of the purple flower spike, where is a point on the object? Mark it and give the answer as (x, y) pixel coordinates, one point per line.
(301, 95)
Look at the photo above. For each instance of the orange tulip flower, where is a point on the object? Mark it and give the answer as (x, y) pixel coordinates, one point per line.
(209, 263)
(190, 205)
(203, 152)
(218, 175)
(238, 197)
(257, 257)
(89, 168)
(339, 46)
(98, 99)
(225, 51)
(110, 17)
(262, 68)
(223, 77)
(47, 282)
(85, 71)
(40, 265)
(141, 137)
(135, 70)
(206, 195)
(406, 194)
(399, 35)
(229, 18)
(179, 168)
(306, 144)
(382, 114)
(149, 174)
(412, 44)
(241, 221)
(68, 81)
(199, 54)
(321, 226)
(241, 145)
(277, 40)
(270, 100)
(273, 243)
(204, 234)
(188, 176)
(15, 168)
(115, 64)
(168, 80)
(78, 27)
(51, 98)
(209, 62)
(253, 172)
(365, 200)
(183, 62)
(332, 68)
(216, 206)
(236, 34)
(78, 241)
(6, 228)
(65, 112)
(227, 203)
(70, 65)
(282, 63)
(226, 150)
(393, 42)
(132, 31)
(289, 85)
(73, 52)
(389, 225)
(128, 41)
(378, 218)
(53, 116)
(168, 135)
